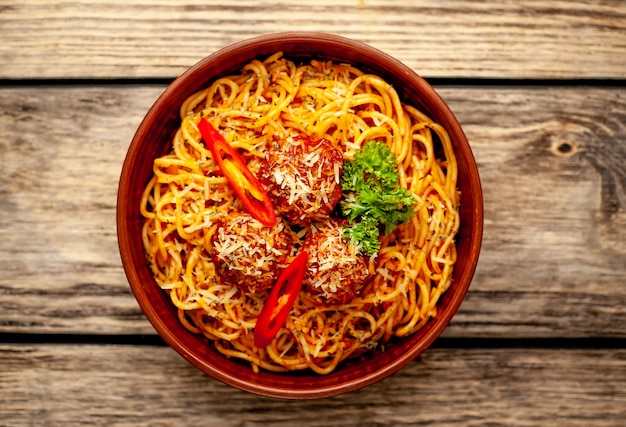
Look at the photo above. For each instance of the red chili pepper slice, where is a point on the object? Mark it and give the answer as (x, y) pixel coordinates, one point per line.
(255, 199)
(280, 300)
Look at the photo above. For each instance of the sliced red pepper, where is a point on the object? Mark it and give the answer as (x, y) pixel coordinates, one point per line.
(254, 198)
(280, 300)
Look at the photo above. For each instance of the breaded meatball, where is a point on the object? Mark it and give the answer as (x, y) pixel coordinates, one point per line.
(302, 178)
(336, 270)
(248, 254)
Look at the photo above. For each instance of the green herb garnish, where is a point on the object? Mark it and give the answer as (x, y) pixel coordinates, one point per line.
(374, 202)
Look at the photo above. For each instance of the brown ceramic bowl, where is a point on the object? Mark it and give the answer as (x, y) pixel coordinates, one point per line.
(153, 139)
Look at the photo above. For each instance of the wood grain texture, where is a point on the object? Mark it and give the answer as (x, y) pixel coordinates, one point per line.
(552, 272)
(61, 385)
(494, 39)
(59, 253)
(551, 160)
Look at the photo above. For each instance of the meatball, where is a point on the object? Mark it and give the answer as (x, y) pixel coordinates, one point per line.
(336, 271)
(248, 254)
(302, 178)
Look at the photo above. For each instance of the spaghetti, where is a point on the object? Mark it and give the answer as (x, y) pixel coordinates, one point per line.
(268, 103)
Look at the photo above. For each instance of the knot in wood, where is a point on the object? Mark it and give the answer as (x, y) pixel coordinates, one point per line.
(564, 148)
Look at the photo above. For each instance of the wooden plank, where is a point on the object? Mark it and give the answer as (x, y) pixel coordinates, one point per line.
(60, 385)
(551, 163)
(551, 159)
(62, 153)
(129, 39)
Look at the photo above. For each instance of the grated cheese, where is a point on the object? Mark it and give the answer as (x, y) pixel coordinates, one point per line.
(245, 246)
(334, 262)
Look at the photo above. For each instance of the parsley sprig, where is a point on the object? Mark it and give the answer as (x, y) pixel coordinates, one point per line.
(374, 202)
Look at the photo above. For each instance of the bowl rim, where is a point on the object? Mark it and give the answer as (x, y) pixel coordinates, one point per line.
(180, 84)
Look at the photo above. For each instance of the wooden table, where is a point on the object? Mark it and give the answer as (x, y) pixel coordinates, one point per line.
(540, 89)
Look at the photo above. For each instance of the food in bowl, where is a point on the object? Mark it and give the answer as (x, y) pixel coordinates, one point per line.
(362, 183)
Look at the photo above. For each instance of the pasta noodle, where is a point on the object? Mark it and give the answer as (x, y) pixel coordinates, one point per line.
(268, 102)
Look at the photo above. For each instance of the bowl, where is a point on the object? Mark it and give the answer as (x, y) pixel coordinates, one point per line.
(153, 139)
